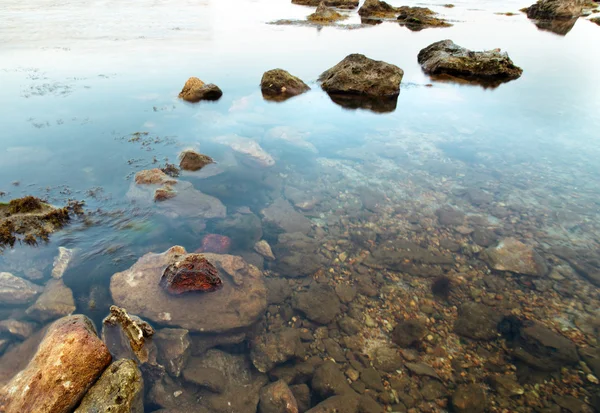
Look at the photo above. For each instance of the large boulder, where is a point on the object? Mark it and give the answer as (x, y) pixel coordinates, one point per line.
(16, 290)
(555, 9)
(340, 4)
(514, 256)
(279, 85)
(138, 290)
(486, 67)
(67, 363)
(196, 90)
(120, 389)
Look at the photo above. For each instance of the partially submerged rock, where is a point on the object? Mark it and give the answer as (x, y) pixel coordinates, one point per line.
(279, 85)
(249, 148)
(596, 20)
(190, 160)
(16, 290)
(68, 361)
(192, 273)
(56, 301)
(196, 90)
(360, 82)
(120, 329)
(555, 9)
(62, 261)
(512, 255)
(340, 4)
(120, 389)
(325, 14)
(138, 290)
(488, 67)
(377, 8)
(419, 18)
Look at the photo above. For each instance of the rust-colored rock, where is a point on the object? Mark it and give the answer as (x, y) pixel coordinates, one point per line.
(67, 363)
(192, 273)
(196, 90)
(219, 244)
(153, 177)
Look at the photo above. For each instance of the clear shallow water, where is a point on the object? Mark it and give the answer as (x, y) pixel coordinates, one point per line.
(78, 78)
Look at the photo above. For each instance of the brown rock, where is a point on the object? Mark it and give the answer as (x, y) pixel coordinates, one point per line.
(419, 18)
(271, 349)
(192, 273)
(153, 177)
(279, 85)
(324, 14)
(207, 377)
(469, 398)
(377, 8)
(277, 398)
(138, 290)
(196, 90)
(68, 361)
(555, 9)
(56, 301)
(340, 4)
(190, 160)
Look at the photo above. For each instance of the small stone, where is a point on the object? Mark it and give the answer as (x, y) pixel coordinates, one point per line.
(387, 358)
(422, 369)
(409, 333)
(271, 349)
(514, 256)
(345, 292)
(207, 377)
(369, 322)
(190, 160)
(192, 273)
(328, 381)
(352, 374)
(277, 398)
(343, 256)
(264, 249)
(279, 85)
(301, 393)
(125, 334)
(592, 379)
(469, 398)
(506, 386)
(196, 90)
(215, 243)
(372, 379)
(319, 303)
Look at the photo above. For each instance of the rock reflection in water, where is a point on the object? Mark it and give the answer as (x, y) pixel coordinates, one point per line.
(375, 104)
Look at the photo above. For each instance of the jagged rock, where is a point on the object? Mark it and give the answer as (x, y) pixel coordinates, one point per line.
(174, 349)
(123, 333)
(340, 4)
(16, 328)
(196, 90)
(555, 9)
(279, 85)
(271, 349)
(488, 67)
(62, 261)
(324, 14)
(469, 398)
(377, 8)
(419, 18)
(477, 321)
(120, 389)
(248, 148)
(319, 303)
(67, 362)
(190, 160)
(264, 249)
(282, 217)
(193, 272)
(277, 398)
(138, 290)
(56, 301)
(512, 255)
(16, 290)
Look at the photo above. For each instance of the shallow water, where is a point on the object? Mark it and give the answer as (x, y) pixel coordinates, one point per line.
(79, 78)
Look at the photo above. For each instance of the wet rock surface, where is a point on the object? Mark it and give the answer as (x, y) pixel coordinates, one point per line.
(126, 335)
(488, 67)
(477, 322)
(377, 8)
(192, 273)
(325, 15)
(469, 398)
(119, 389)
(555, 9)
(243, 287)
(66, 364)
(190, 160)
(16, 290)
(280, 85)
(55, 301)
(196, 90)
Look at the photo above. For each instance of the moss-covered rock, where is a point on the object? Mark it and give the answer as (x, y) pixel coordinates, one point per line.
(555, 9)
(340, 4)
(325, 14)
(419, 18)
(279, 85)
(377, 8)
(118, 390)
(196, 90)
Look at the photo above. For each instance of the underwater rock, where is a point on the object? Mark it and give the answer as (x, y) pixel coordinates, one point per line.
(469, 398)
(422, 369)
(359, 75)
(264, 249)
(337, 404)
(203, 342)
(477, 321)
(409, 333)
(16, 328)
(249, 148)
(270, 349)
(319, 303)
(506, 386)
(192, 273)
(279, 85)
(120, 389)
(196, 90)
(293, 137)
(512, 255)
(138, 290)
(340, 4)
(329, 381)
(56, 301)
(324, 14)
(16, 290)
(245, 230)
(487, 67)
(291, 252)
(281, 216)
(122, 333)
(387, 358)
(174, 349)
(190, 160)
(419, 18)
(67, 363)
(206, 377)
(277, 398)
(555, 9)
(19, 355)
(302, 395)
(215, 243)
(377, 8)
(62, 261)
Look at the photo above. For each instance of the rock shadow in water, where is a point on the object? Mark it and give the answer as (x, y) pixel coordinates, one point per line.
(556, 26)
(384, 104)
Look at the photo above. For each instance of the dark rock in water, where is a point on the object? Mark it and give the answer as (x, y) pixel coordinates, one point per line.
(68, 361)
(218, 244)
(359, 76)
(120, 389)
(542, 348)
(207, 377)
(488, 67)
(192, 273)
(422, 369)
(271, 349)
(345, 292)
(512, 255)
(484, 237)
(555, 9)
(377, 8)
(419, 18)
(572, 404)
(372, 379)
(16, 290)
(56, 301)
(291, 253)
(279, 85)
(278, 290)
(469, 398)
(174, 348)
(340, 4)
(373, 103)
(506, 386)
(337, 404)
(301, 393)
(16, 328)
(190, 160)
(196, 90)
(204, 342)
(329, 381)
(387, 358)
(350, 326)
(596, 20)
(591, 356)
(450, 216)
(585, 262)
(319, 303)
(126, 335)
(409, 333)
(477, 321)
(325, 15)
(277, 398)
